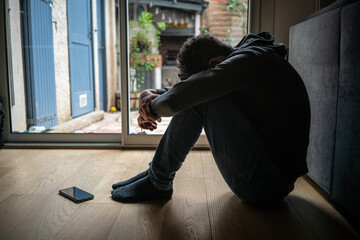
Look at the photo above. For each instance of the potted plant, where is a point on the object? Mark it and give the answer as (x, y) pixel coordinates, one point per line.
(144, 43)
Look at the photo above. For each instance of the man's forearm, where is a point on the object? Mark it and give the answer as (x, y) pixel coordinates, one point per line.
(205, 86)
(198, 88)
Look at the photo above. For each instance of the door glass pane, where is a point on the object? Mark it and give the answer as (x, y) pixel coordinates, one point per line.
(158, 29)
(63, 66)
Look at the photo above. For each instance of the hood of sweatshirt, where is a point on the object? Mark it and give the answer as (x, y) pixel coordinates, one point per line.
(259, 44)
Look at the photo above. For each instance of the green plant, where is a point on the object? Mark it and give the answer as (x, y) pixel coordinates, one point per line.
(204, 30)
(240, 7)
(237, 6)
(145, 38)
(228, 39)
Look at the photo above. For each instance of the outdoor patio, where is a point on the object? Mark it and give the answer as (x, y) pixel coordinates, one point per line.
(111, 123)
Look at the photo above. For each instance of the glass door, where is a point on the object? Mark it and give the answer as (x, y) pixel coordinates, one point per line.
(152, 34)
(62, 72)
(146, 63)
(72, 71)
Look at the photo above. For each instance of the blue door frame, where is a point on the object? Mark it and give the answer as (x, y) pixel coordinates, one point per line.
(81, 57)
(101, 54)
(39, 62)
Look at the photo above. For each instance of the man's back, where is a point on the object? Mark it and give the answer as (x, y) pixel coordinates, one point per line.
(276, 102)
(268, 90)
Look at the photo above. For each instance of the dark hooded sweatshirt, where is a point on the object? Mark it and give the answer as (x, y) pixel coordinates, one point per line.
(270, 93)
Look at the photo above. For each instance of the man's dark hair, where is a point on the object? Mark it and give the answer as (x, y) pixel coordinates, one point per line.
(196, 52)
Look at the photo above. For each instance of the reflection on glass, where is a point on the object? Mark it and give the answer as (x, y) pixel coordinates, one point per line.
(64, 66)
(157, 33)
(63, 59)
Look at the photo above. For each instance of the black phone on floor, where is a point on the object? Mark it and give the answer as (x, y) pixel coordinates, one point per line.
(76, 194)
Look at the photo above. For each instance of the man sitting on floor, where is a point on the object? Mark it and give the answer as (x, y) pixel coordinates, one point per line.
(255, 112)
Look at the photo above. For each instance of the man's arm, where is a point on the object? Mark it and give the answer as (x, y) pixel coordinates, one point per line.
(146, 119)
(145, 99)
(163, 90)
(227, 77)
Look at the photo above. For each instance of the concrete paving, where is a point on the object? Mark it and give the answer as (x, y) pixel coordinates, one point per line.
(111, 123)
(78, 123)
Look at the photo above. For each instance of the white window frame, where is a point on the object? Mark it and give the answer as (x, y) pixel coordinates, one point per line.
(98, 140)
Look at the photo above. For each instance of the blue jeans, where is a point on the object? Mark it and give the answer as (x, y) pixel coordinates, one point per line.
(236, 145)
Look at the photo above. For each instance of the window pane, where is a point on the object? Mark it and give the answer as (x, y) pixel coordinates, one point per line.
(63, 66)
(158, 29)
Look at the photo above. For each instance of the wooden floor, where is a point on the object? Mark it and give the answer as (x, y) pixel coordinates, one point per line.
(202, 207)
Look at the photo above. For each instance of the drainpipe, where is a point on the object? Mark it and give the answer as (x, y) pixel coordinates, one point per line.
(197, 23)
(95, 55)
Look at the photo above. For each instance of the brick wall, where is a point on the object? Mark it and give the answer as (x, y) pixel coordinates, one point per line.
(170, 43)
(222, 23)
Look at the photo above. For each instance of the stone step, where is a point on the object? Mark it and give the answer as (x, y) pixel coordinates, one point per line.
(78, 123)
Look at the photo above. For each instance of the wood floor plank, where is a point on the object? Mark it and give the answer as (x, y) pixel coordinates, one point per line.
(13, 209)
(5, 170)
(148, 158)
(138, 221)
(32, 218)
(19, 190)
(21, 163)
(94, 169)
(39, 162)
(10, 154)
(126, 164)
(49, 179)
(90, 221)
(142, 220)
(202, 207)
(186, 214)
(192, 166)
(319, 214)
(230, 218)
(46, 219)
(19, 157)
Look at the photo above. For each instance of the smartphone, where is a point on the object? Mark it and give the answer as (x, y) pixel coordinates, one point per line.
(76, 194)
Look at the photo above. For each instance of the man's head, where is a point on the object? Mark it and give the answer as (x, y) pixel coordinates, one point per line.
(199, 53)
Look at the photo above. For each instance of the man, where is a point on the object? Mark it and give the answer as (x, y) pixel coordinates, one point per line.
(255, 112)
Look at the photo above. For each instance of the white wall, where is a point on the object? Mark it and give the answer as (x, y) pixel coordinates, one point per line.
(16, 73)
(61, 55)
(111, 62)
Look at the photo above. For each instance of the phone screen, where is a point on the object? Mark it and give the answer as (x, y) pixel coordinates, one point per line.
(76, 194)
